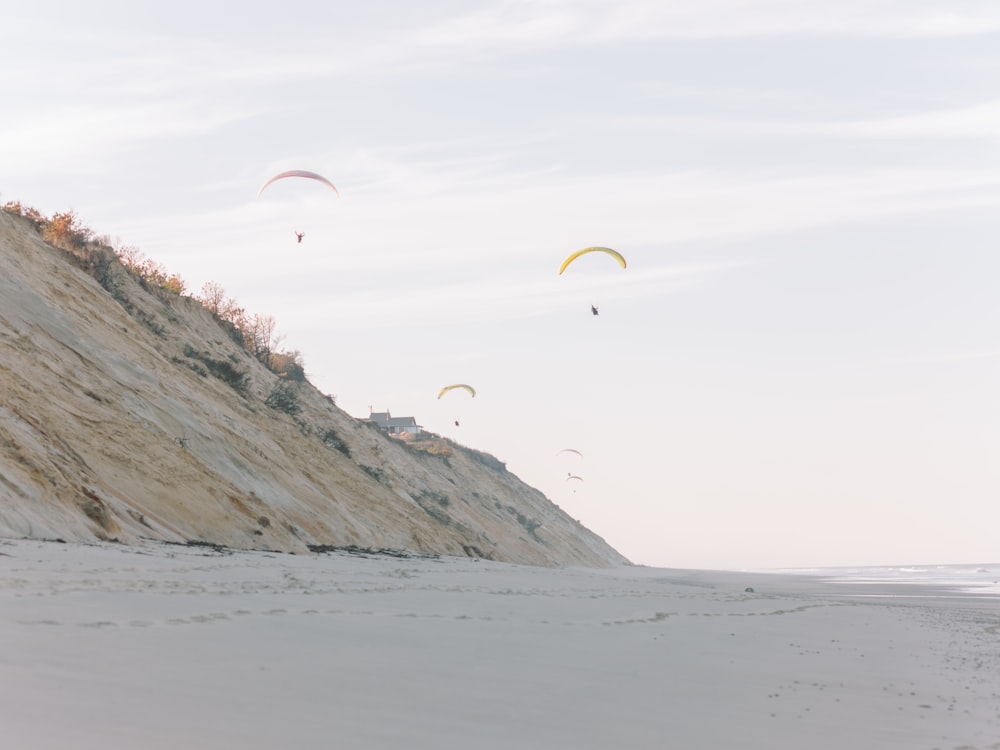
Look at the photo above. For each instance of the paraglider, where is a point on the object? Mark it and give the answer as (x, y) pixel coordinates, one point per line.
(469, 388)
(457, 386)
(299, 236)
(607, 250)
(299, 173)
(573, 457)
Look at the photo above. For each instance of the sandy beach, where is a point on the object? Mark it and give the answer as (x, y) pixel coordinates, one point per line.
(165, 646)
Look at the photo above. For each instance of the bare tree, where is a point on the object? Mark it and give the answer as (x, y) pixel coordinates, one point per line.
(213, 296)
(262, 337)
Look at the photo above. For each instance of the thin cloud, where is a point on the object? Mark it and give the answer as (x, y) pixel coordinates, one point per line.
(147, 60)
(980, 120)
(54, 138)
(946, 357)
(752, 18)
(503, 24)
(975, 121)
(545, 22)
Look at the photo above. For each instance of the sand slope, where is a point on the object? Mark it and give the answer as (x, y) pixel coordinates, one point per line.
(117, 421)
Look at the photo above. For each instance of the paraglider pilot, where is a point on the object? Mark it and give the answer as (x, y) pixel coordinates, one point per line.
(299, 236)
(593, 310)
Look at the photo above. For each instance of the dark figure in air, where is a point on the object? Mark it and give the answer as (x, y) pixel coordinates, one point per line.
(593, 310)
(299, 236)
(456, 423)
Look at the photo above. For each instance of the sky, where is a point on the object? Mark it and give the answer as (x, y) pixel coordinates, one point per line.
(799, 366)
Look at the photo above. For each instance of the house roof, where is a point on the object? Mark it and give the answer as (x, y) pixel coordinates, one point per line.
(385, 419)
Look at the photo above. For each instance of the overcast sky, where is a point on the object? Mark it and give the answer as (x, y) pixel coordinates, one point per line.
(800, 365)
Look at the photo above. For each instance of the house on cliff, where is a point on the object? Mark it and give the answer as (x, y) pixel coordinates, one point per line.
(394, 425)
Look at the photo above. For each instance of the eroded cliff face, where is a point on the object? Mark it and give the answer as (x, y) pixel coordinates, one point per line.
(130, 413)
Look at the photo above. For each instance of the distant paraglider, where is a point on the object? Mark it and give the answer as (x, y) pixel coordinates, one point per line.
(457, 386)
(607, 250)
(469, 388)
(299, 173)
(572, 455)
(299, 236)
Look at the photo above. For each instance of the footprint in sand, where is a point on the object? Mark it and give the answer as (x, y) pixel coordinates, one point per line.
(210, 617)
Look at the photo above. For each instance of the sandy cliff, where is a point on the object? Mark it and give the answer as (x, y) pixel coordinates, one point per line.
(127, 412)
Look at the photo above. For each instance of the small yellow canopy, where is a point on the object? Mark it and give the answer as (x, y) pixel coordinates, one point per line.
(573, 256)
(447, 388)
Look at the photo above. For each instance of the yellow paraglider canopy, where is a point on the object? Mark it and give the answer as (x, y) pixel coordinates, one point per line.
(573, 256)
(447, 388)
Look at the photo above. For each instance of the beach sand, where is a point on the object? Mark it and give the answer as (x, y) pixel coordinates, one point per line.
(168, 646)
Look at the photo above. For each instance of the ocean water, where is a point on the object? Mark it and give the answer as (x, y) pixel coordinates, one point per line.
(936, 580)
